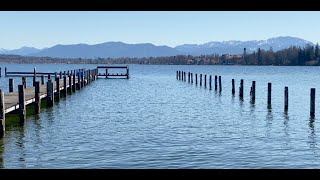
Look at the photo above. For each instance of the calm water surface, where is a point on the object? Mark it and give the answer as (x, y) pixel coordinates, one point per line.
(153, 120)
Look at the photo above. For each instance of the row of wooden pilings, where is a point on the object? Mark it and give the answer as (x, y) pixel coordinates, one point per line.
(84, 77)
(181, 75)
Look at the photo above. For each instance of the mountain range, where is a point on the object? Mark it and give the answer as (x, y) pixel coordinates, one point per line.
(120, 49)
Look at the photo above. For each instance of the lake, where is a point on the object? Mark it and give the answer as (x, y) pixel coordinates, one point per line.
(153, 120)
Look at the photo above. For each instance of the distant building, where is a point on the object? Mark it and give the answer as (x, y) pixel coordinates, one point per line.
(231, 59)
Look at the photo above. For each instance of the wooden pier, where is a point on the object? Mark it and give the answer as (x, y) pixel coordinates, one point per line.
(58, 84)
(107, 74)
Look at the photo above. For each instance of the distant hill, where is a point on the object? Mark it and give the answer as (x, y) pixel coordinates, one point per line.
(22, 51)
(236, 47)
(109, 49)
(120, 49)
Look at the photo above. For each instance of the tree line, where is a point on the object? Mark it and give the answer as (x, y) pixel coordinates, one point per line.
(307, 55)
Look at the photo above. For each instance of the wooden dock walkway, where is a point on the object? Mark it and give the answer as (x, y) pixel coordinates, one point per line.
(11, 100)
(62, 83)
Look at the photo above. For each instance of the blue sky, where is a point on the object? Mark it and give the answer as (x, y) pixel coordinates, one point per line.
(45, 29)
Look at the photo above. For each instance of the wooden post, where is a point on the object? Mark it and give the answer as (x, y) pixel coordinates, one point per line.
(241, 89)
(24, 82)
(22, 104)
(286, 98)
(64, 85)
(184, 74)
(49, 76)
(312, 101)
(37, 102)
(89, 75)
(196, 79)
(60, 75)
(5, 72)
(215, 82)
(253, 91)
(205, 81)
(55, 75)
(233, 89)
(79, 80)
(0, 71)
(200, 79)
(70, 84)
(42, 79)
(188, 77)
(57, 94)
(177, 74)
(220, 84)
(210, 82)
(2, 114)
(11, 85)
(128, 72)
(50, 95)
(269, 93)
(34, 76)
(74, 82)
(191, 78)
(106, 72)
(82, 77)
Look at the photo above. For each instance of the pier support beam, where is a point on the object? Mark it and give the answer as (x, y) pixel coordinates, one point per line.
(220, 84)
(286, 98)
(11, 85)
(50, 94)
(215, 83)
(128, 72)
(269, 93)
(57, 94)
(241, 89)
(22, 104)
(253, 92)
(74, 82)
(42, 80)
(191, 78)
(64, 85)
(233, 88)
(34, 77)
(70, 84)
(205, 81)
(196, 79)
(37, 103)
(79, 80)
(24, 82)
(2, 114)
(82, 77)
(312, 102)
(210, 82)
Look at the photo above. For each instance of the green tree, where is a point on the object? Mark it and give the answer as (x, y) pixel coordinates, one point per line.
(259, 58)
(316, 53)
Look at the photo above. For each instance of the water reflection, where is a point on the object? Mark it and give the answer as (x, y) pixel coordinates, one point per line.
(286, 123)
(312, 136)
(269, 119)
(252, 107)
